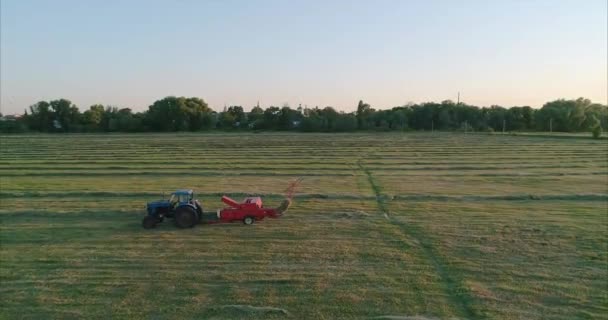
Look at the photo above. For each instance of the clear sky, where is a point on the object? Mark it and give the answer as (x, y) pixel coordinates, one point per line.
(314, 52)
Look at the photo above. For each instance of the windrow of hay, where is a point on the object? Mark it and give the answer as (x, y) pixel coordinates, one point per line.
(396, 317)
(253, 309)
(282, 208)
(285, 205)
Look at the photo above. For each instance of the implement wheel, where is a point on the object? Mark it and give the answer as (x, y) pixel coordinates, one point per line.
(149, 222)
(185, 217)
(248, 220)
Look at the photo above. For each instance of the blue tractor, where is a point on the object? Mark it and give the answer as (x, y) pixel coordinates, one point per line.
(181, 206)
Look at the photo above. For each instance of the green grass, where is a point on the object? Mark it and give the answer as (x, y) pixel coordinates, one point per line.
(429, 225)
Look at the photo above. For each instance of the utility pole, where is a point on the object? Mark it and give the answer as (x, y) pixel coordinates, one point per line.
(465, 122)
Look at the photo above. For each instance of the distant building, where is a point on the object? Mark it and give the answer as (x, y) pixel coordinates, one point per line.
(10, 117)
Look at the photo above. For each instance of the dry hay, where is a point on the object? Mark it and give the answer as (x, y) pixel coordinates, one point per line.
(352, 215)
(282, 208)
(395, 317)
(253, 309)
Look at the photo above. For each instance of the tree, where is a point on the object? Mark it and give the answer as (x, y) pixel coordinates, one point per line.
(444, 118)
(312, 120)
(561, 115)
(270, 119)
(239, 115)
(398, 118)
(595, 126)
(255, 117)
(225, 120)
(596, 115)
(287, 118)
(496, 117)
(515, 119)
(345, 122)
(198, 115)
(528, 115)
(175, 114)
(66, 115)
(40, 117)
(423, 116)
(578, 115)
(92, 117)
(181, 113)
(233, 117)
(363, 114)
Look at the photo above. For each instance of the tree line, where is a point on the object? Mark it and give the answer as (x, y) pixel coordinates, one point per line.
(193, 114)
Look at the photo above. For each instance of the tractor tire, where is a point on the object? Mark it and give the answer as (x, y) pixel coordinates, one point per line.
(249, 220)
(185, 217)
(149, 222)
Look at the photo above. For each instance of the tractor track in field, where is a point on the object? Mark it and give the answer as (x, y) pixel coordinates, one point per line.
(452, 285)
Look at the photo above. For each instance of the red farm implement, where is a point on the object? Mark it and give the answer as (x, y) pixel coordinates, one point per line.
(187, 211)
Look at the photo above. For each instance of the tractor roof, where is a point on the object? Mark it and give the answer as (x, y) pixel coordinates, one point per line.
(183, 192)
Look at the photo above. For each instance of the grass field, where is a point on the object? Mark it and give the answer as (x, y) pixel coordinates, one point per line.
(403, 225)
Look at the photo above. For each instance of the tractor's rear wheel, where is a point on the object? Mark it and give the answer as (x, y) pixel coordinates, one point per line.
(149, 222)
(248, 220)
(185, 217)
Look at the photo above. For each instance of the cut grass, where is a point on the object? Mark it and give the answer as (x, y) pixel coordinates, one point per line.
(412, 226)
(530, 258)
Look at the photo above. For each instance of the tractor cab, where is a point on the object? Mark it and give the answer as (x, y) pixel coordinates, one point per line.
(179, 197)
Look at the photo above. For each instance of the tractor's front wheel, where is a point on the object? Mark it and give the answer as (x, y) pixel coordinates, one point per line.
(248, 220)
(185, 217)
(149, 222)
